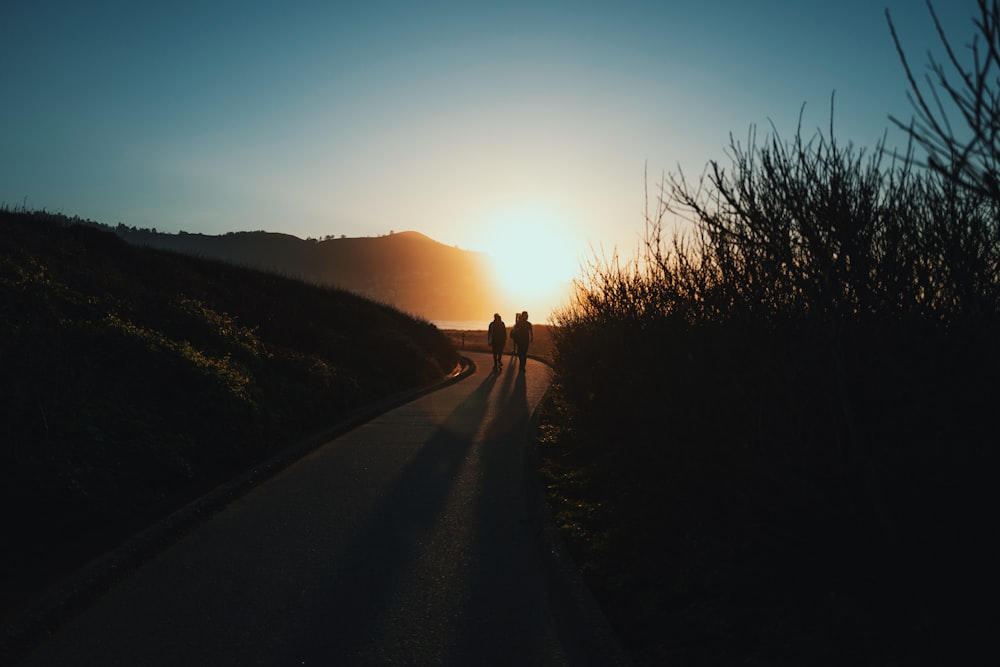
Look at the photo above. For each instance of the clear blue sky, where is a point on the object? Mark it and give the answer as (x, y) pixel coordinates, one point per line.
(478, 124)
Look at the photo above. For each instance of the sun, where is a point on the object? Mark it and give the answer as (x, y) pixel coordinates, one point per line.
(532, 260)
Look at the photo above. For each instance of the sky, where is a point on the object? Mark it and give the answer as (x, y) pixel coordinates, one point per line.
(527, 130)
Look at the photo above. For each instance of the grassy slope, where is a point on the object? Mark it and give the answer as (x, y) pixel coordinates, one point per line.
(132, 379)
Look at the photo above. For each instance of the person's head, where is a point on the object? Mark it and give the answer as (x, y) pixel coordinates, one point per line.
(496, 317)
(524, 315)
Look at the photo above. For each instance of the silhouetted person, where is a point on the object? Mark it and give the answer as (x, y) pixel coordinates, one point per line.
(496, 336)
(513, 347)
(522, 335)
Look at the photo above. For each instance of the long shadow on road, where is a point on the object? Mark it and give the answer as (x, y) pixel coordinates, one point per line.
(365, 578)
(406, 543)
(500, 619)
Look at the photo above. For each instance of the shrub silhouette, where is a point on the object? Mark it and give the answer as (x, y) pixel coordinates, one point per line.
(957, 105)
(794, 396)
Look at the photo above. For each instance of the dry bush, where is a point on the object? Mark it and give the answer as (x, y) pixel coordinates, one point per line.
(794, 395)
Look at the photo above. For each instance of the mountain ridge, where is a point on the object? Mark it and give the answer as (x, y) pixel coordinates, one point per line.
(408, 270)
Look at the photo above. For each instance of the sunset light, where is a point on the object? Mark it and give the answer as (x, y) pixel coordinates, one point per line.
(533, 256)
(520, 130)
(515, 333)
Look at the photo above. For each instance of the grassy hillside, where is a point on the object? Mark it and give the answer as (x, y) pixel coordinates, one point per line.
(133, 378)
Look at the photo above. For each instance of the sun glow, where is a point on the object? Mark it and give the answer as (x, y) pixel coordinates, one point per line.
(533, 260)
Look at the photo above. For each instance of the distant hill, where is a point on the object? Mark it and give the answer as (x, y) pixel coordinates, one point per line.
(406, 269)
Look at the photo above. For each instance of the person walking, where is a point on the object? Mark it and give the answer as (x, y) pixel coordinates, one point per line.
(522, 335)
(513, 344)
(496, 336)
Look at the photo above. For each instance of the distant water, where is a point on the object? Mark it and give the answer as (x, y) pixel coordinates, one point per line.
(461, 325)
(470, 325)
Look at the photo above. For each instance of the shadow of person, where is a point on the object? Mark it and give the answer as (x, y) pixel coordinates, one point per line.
(501, 615)
(365, 577)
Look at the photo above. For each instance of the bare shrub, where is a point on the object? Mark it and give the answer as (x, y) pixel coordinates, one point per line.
(793, 388)
(957, 108)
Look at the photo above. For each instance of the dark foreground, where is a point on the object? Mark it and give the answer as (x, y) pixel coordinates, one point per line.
(418, 538)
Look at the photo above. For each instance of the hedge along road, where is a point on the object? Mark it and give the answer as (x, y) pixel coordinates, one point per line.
(419, 537)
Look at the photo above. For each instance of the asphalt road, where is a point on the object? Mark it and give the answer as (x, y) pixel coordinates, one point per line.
(417, 538)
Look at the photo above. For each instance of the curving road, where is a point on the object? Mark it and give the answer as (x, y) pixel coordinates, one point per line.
(417, 538)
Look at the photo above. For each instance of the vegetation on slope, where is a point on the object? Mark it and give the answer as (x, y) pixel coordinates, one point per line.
(773, 440)
(132, 378)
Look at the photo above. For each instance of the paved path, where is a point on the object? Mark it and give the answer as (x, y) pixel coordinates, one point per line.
(415, 539)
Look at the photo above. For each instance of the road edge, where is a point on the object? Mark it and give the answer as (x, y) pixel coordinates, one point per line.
(63, 600)
(604, 647)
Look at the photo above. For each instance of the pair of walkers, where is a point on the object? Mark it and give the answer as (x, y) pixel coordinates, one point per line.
(521, 334)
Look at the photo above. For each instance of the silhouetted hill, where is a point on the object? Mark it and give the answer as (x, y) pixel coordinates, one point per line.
(132, 379)
(407, 269)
